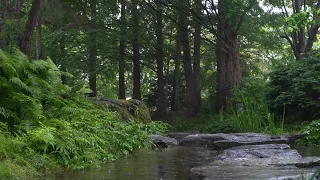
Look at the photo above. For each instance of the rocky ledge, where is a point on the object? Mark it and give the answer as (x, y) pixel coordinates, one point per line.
(251, 156)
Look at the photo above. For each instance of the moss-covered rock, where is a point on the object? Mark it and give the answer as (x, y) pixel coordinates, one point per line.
(129, 110)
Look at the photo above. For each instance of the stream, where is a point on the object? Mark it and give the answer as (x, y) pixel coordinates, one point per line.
(166, 164)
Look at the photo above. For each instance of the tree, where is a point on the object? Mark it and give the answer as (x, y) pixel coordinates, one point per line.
(176, 75)
(5, 8)
(31, 23)
(122, 51)
(17, 18)
(187, 61)
(196, 56)
(162, 101)
(301, 24)
(39, 53)
(92, 59)
(230, 15)
(136, 94)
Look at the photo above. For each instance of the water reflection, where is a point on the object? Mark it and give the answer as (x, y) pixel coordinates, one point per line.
(306, 151)
(166, 164)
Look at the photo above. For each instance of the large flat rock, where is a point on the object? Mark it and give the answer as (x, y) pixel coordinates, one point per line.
(226, 141)
(252, 173)
(264, 156)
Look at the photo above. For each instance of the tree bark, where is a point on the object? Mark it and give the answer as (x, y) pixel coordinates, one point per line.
(39, 51)
(176, 76)
(162, 101)
(122, 90)
(196, 62)
(3, 23)
(17, 18)
(136, 94)
(31, 22)
(227, 52)
(187, 60)
(92, 61)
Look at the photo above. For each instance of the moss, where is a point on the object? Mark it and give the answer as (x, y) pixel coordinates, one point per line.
(128, 110)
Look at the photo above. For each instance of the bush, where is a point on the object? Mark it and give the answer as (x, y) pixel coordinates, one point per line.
(297, 87)
(255, 115)
(312, 132)
(45, 125)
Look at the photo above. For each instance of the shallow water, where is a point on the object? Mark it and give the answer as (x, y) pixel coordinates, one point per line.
(308, 151)
(167, 164)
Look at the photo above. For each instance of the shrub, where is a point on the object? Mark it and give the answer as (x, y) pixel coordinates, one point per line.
(297, 86)
(312, 132)
(45, 124)
(255, 116)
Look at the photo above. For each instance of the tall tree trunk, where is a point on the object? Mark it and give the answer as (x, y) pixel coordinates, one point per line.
(92, 61)
(17, 18)
(136, 94)
(39, 38)
(62, 55)
(196, 62)
(3, 23)
(176, 76)
(31, 23)
(227, 52)
(162, 101)
(122, 90)
(187, 60)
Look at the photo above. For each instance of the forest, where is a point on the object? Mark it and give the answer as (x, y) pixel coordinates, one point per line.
(216, 66)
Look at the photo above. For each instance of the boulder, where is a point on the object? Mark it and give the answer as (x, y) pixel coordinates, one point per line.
(163, 141)
(226, 141)
(179, 135)
(252, 173)
(201, 140)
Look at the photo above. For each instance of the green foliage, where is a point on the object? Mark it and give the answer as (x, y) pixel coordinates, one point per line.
(312, 132)
(297, 87)
(255, 115)
(45, 124)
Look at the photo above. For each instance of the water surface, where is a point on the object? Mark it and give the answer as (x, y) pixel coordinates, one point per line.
(167, 164)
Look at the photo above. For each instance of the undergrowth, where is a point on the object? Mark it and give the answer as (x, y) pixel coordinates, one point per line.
(46, 125)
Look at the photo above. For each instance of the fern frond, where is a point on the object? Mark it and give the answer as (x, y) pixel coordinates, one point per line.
(16, 81)
(6, 112)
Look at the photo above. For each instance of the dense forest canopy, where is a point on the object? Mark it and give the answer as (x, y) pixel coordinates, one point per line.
(172, 54)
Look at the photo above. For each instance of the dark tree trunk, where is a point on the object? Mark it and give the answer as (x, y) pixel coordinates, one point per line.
(122, 90)
(3, 27)
(176, 76)
(228, 64)
(39, 38)
(196, 62)
(187, 60)
(136, 94)
(162, 101)
(17, 17)
(62, 47)
(31, 23)
(92, 61)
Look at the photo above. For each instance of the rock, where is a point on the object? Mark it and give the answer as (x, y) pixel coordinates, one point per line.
(277, 151)
(264, 155)
(180, 135)
(162, 141)
(201, 140)
(241, 139)
(226, 141)
(245, 173)
(128, 110)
